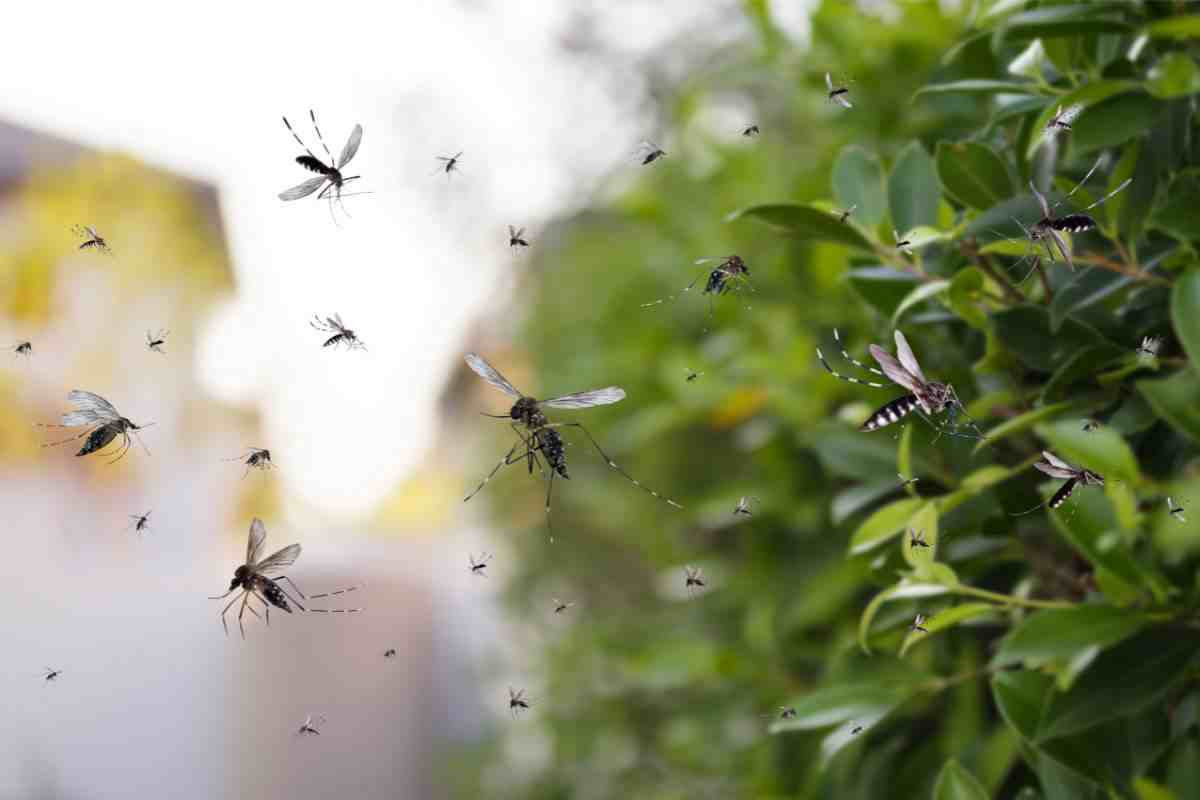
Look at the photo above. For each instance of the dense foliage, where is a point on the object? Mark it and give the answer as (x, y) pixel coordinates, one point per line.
(1061, 655)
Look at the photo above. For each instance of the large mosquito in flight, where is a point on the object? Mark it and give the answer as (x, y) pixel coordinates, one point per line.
(930, 397)
(254, 579)
(91, 239)
(541, 435)
(1055, 467)
(730, 274)
(341, 334)
(330, 173)
(104, 424)
(839, 95)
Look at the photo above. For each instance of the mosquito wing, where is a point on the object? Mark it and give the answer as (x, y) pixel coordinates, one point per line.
(351, 147)
(279, 559)
(254, 543)
(907, 359)
(596, 397)
(1053, 471)
(895, 372)
(89, 408)
(302, 190)
(828, 81)
(842, 101)
(1056, 461)
(486, 371)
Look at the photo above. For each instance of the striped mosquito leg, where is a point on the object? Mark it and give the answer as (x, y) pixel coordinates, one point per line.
(847, 378)
(612, 464)
(893, 412)
(299, 141)
(334, 593)
(504, 462)
(852, 359)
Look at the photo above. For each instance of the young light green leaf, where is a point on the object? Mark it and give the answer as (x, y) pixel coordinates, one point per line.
(805, 222)
(904, 590)
(918, 295)
(884, 524)
(1177, 27)
(980, 87)
(1175, 75)
(948, 618)
(833, 705)
(956, 783)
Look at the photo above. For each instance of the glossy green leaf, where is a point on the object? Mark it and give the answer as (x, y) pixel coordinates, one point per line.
(1088, 95)
(1177, 217)
(1063, 20)
(1175, 75)
(1177, 27)
(1174, 399)
(913, 189)
(832, 705)
(904, 590)
(1058, 634)
(946, 619)
(980, 87)
(918, 295)
(858, 181)
(805, 222)
(972, 174)
(1114, 121)
(956, 783)
(884, 524)
(1185, 313)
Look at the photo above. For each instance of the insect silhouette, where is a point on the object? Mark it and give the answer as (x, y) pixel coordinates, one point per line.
(1055, 467)
(918, 624)
(750, 130)
(856, 730)
(479, 566)
(329, 175)
(917, 539)
(840, 95)
(1148, 349)
(516, 237)
(730, 274)
(91, 239)
(389, 653)
(693, 579)
(928, 397)
(156, 341)
(540, 436)
(449, 163)
(784, 712)
(255, 458)
(560, 606)
(845, 215)
(651, 152)
(23, 349)
(1090, 425)
(1061, 121)
(692, 376)
(309, 728)
(743, 505)
(1049, 229)
(141, 522)
(902, 243)
(51, 674)
(341, 334)
(1174, 511)
(103, 422)
(906, 481)
(517, 702)
(256, 579)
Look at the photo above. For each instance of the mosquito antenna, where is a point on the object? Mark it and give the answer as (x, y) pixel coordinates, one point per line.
(1081, 183)
(1125, 183)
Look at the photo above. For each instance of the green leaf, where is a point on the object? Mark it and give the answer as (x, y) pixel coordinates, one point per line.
(1114, 121)
(1086, 363)
(884, 524)
(1058, 634)
(1090, 94)
(904, 590)
(858, 181)
(1178, 217)
(919, 295)
(805, 222)
(913, 189)
(832, 705)
(1180, 27)
(1147, 789)
(1185, 313)
(1174, 399)
(1086, 288)
(852, 455)
(920, 558)
(966, 288)
(1103, 450)
(1022, 423)
(1063, 20)
(882, 287)
(1025, 330)
(1123, 680)
(956, 783)
(948, 618)
(1175, 75)
(1019, 696)
(972, 174)
(980, 87)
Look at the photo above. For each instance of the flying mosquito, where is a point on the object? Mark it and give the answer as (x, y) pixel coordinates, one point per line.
(51, 674)
(156, 341)
(1090, 425)
(730, 274)
(1148, 349)
(1062, 119)
(845, 214)
(917, 539)
(839, 95)
(902, 244)
(743, 506)
(330, 173)
(651, 152)
(517, 701)
(91, 239)
(560, 606)
(255, 458)
(693, 578)
(449, 163)
(309, 728)
(516, 237)
(750, 130)
(541, 435)
(479, 566)
(1175, 511)
(141, 522)
(389, 653)
(692, 375)
(254, 579)
(930, 397)
(23, 349)
(1049, 228)
(918, 624)
(103, 422)
(1055, 467)
(784, 712)
(856, 730)
(341, 334)
(906, 481)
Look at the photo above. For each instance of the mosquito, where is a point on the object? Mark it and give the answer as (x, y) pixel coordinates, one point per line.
(692, 375)
(856, 730)
(906, 481)
(1090, 425)
(1055, 467)
(845, 214)
(1049, 228)
(784, 712)
(449, 163)
(902, 243)
(917, 539)
(693, 579)
(1062, 119)
(91, 239)
(1147, 351)
(743, 506)
(141, 522)
(750, 130)
(839, 95)
(651, 152)
(560, 606)
(51, 674)
(254, 579)
(255, 458)
(389, 653)
(479, 566)
(23, 349)
(542, 436)
(330, 173)
(308, 728)
(156, 341)
(103, 422)
(1175, 511)
(516, 237)
(341, 334)
(918, 624)
(930, 397)
(517, 701)
(730, 274)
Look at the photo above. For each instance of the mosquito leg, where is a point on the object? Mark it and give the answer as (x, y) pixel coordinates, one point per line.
(672, 297)
(837, 338)
(292, 583)
(63, 441)
(228, 606)
(504, 462)
(612, 464)
(335, 592)
(242, 613)
(297, 603)
(846, 378)
(299, 141)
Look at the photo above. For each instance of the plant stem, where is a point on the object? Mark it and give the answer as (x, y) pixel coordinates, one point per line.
(1010, 600)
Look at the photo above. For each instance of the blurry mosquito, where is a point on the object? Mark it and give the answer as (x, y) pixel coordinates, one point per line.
(750, 130)
(542, 436)
(693, 579)
(51, 674)
(784, 712)
(839, 95)
(918, 624)
(917, 539)
(330, 173)
(516, 237)
(1062, 119)
(479, 566)
(341, 334)
(651, 152)
(254, 579)
(691, 376)
(23, 349)
(730, 274)
(156, 341)
(517, 702)
(927, 397)
(845, 215)
(1147, 351)
(561, 606)
(1090, 425)
(902, 244)
(743, 506)
(141, 522)
(856, 730)
(103, 422)
(389, 653)
(449, 163)
(906, 481)
(1055, 467)
(255, 458)
(1175, 511)
(91, 239)
(309, 728)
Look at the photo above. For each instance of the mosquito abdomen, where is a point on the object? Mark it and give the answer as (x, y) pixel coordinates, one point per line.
(1073, 223)
(552, 448)
(98, 439)
(275, 595)
(894, 411)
